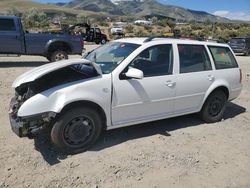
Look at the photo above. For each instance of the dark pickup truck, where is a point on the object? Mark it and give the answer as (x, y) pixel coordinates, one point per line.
(55, 47)
(240, 45)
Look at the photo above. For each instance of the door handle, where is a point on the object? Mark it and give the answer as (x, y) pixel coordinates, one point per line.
(210, 78)
(169, 83)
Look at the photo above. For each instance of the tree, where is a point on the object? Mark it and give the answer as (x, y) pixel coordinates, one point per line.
(171, 24)
(81, 18)
(35, 19)
(208, 22)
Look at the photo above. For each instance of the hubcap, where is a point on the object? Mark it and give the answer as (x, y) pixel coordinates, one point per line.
(78, 131)
(215, 106)
(60, 56)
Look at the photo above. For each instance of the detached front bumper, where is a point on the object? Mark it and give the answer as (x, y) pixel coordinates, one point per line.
(32, 125)
(28, 126)
(17, 127)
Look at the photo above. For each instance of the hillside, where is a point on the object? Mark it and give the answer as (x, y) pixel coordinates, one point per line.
(107, 8)
(145, 8)
(24, 5)
(95, 6)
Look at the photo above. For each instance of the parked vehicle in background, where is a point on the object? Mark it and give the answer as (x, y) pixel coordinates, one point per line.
(116, 30)
(89, 34)
(55, 47)
(240, 45)
(122, 83)
(143, 22)
(95, 35)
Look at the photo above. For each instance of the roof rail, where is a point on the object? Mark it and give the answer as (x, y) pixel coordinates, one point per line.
(154, 37)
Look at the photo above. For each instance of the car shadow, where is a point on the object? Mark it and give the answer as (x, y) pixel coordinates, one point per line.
(8, 64)
(118, 136)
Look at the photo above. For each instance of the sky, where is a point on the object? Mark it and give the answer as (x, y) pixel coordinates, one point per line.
(232, 9)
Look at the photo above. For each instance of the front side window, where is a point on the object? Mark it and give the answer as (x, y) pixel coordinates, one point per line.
(7, 25)
(110, 55)
(223, 57)
(193, 58)
(155, 61)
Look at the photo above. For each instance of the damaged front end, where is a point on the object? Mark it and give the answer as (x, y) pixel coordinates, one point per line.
(32, 124)
(27, 126)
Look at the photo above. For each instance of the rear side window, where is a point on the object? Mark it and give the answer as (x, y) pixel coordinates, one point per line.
(223, 57)
(193, 58)
(7, 25)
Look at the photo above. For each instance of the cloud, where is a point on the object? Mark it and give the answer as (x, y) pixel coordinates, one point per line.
(240, 15)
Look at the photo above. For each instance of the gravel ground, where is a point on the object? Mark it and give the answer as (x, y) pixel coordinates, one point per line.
(177, 152)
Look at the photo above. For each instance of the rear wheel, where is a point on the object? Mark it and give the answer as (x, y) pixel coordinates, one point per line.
(58, 56)
(76, 130)
(103, 41)
(214, 107)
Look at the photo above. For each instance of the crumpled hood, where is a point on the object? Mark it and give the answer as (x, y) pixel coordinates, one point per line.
(50, 67)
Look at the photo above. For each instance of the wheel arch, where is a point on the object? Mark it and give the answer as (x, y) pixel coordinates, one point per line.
(54, 45)
(90, 104)
(222, 87)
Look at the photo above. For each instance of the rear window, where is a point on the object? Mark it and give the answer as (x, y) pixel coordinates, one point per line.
(7, 25)
(223, 57)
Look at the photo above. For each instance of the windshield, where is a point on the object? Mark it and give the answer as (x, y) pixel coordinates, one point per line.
(110, 55)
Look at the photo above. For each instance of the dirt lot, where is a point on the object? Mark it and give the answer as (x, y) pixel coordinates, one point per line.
(179, 152)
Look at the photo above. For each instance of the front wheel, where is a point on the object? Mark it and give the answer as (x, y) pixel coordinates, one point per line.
(76, 130)
(58, 56)
(214, 107)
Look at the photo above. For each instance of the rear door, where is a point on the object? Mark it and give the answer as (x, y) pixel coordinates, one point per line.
(194, 78)
(227, 69)
(10, 36)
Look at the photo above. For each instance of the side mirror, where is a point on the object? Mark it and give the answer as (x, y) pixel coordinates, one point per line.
(134, 73)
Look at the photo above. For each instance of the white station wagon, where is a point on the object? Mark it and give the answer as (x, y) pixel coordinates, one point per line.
(125, 82)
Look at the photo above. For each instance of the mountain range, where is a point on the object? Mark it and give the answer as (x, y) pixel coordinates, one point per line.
(134, 8)
(141, 8)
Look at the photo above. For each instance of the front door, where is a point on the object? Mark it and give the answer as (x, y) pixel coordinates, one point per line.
(98, 34)
(149, 98)
(10, 37)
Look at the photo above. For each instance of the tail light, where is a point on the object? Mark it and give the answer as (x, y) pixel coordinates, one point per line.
(82, 42)
(240, 76)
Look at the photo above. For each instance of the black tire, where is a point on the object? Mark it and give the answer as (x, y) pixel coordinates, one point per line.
(76, 130)
(49, 59)
(97, 41)
(103, 41)
(214, 107)
(58, 56)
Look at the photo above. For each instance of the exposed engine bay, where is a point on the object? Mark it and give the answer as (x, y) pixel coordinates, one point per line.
(29, 126)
